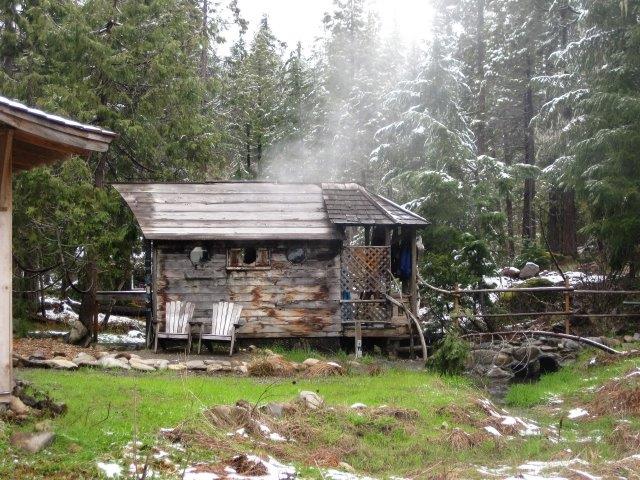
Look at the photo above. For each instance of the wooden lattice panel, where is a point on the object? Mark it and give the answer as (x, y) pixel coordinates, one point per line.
(365, 278)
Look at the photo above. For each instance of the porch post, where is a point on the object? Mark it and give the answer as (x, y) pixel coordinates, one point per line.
(413, 280)
(6, 270)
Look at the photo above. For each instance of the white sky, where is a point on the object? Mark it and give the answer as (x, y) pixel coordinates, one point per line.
(293, 20)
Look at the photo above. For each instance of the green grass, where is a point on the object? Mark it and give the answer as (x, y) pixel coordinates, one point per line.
(108, 409)
(574, 380)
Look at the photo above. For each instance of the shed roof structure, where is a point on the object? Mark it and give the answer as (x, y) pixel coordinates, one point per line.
(29, 138)
(257, 210)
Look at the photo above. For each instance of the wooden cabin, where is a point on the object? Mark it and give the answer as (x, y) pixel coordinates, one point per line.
(310, 261)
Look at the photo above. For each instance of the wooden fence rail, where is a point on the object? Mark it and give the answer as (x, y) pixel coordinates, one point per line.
(567, 293)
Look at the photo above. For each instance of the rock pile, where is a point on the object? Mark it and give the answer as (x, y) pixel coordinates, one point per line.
(520, 358)
(263, 364)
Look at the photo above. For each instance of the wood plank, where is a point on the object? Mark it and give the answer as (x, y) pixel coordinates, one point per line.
(147, 208)
(221, 187)
(239, 234)
(232, 217)
(74, 140)
(6, 269)
(195, 224)
(134, 199)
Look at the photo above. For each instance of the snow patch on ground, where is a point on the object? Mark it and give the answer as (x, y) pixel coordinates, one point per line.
(575, 279)
(524, 427)
(577, 413)
(535, 470)
(110, 470)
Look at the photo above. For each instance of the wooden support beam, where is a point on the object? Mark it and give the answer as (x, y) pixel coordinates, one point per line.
(413, 280)
(6, 263)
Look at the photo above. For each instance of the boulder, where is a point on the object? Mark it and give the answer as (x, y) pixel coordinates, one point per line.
(310, 400)
(571, 345)
(310, 362)
(241, 369)
(490, 357)
(77, 333)
(83, 359)
(628, 339)
(137, 365)
(111, 362)
(611, 342)
(162, 364)
(511, 272)
(196, 365)
(61, 364)
(358, 406)
(177, 366)
(38, 355)
(32, 442)
(526, 354)
(17, 406)
(636, 337)
(529, 270)
(498, 373)
(274, 409)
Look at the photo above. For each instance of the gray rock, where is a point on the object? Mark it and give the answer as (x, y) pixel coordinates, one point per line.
(636, 337)
(177, 366)
(111, 362)
(17, 406)
(311, 400)
(611, 342)
(526, 354)
(498, 373)
(241, 369)
(83, 359)
(628, 339)
(38, 355)
(511, 272)
(529, 270)
(274, 409)
(61, 364)
(571, 345)
(489, 357)
(196, 365)
(310, 362)
(32, 442)
(77, 333)
(136, 365)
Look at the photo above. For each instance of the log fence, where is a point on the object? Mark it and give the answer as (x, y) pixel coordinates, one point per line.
(568, 294)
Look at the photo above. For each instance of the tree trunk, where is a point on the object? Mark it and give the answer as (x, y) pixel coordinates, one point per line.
(481, 140)
(528, 217)
(89, 307)
(562, 219)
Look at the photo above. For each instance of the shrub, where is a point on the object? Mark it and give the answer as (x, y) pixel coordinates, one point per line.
(450, 356)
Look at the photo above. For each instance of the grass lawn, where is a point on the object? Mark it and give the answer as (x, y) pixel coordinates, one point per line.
(109, 409)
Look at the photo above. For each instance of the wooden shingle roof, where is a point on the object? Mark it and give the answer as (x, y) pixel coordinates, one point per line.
(351, 204)
(257, 210)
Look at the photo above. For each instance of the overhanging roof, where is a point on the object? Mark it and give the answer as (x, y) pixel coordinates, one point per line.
(229, 211)
(41, 138)
(257, 210)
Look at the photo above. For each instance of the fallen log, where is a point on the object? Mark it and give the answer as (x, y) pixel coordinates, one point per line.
(540, 333)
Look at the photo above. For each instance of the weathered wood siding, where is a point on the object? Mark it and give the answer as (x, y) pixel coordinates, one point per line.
(286, 300)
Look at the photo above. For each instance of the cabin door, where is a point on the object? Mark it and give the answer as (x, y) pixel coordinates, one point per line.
(365, 278)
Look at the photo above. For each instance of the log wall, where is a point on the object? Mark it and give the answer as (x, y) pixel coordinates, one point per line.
(286, 300)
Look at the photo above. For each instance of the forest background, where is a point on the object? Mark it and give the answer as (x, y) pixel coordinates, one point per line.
(515, 129)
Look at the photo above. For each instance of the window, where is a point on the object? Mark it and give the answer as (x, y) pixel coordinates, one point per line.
(248, 258)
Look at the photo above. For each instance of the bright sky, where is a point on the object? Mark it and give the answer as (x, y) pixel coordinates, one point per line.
(293, 20)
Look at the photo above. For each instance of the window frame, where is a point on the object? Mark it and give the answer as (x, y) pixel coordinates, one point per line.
(235, 262)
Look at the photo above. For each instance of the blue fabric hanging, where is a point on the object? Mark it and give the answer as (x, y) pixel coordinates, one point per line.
(405, 264)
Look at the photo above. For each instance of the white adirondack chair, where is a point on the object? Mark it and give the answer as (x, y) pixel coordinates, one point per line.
(224, 321)
(177, 324)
